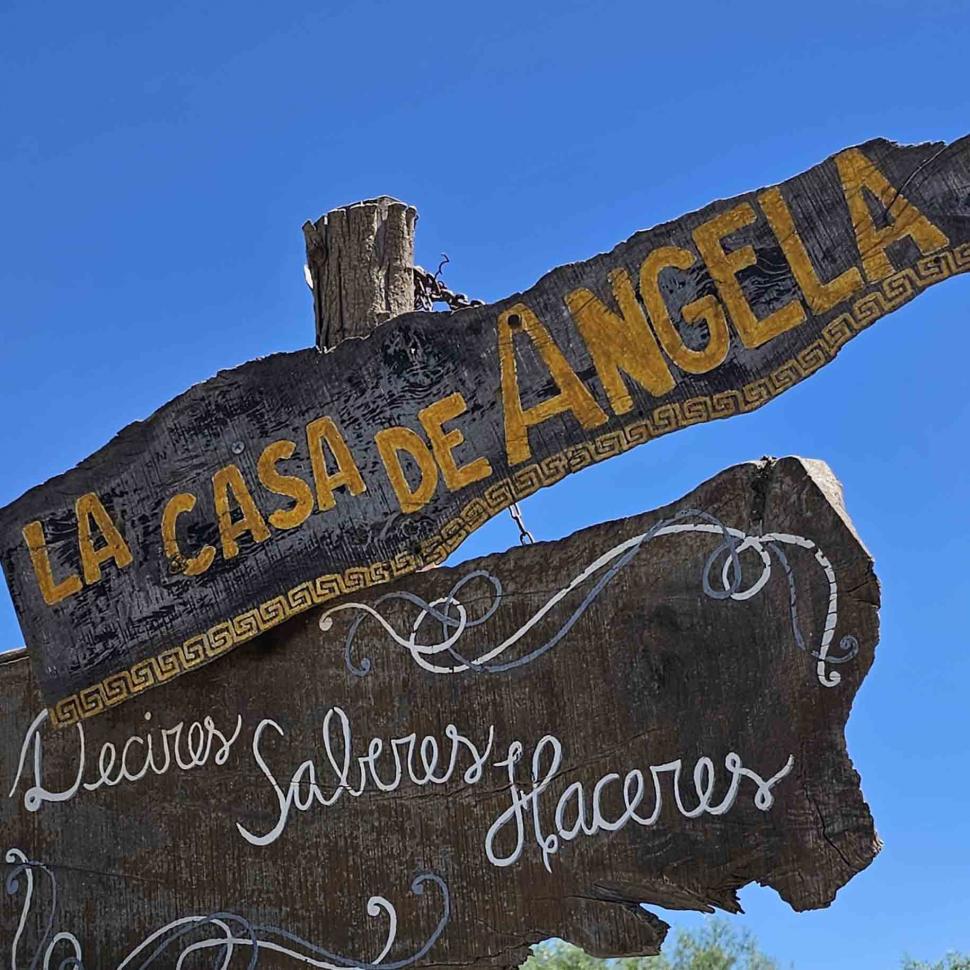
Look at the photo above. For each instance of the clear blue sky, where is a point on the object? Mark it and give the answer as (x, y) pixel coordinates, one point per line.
(158, 161)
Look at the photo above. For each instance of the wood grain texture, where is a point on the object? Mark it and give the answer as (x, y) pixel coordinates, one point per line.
(632, 667)
(361, 262)
(143, 624)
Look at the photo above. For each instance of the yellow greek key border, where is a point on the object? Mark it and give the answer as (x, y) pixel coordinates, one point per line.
(892, 293)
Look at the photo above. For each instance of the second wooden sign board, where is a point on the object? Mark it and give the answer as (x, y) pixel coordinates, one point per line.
(461, 763)
(292, 480)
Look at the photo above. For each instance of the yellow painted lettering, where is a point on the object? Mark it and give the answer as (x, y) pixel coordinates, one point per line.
(53, 592)
(705, 309)
(93, 518)
(230, 480)
(620, 343)
(187, 565)
(391, 442)
(857, 173)
(443, 443)
(289, 485)
(821, 296)
(324, 430)
(573, 395)
(724, 267)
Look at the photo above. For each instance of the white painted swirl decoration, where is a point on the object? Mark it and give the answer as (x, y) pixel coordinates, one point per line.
(222, 933)
(724, 563)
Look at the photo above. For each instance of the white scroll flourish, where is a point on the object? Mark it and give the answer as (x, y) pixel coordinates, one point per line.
(722, 578)
(223, 932)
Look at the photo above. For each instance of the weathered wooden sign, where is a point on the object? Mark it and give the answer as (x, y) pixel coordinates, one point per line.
(450, 768)
(300, 477)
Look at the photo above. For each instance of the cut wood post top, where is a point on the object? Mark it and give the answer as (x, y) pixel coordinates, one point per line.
(360, 259)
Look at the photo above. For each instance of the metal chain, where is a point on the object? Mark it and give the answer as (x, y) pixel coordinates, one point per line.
(429, 290)
(525, 536)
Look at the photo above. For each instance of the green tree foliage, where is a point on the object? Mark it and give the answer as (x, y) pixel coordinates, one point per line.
(952, 961)
(715, 947)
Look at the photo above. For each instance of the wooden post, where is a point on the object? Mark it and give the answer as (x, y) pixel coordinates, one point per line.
(361, 263)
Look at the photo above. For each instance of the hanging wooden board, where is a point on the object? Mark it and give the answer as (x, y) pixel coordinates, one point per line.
(297, 478)
(447, 769)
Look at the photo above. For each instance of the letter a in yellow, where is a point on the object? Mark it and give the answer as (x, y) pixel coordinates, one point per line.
(573, 395)
(857, 173)
(91, 515)
(229, 481)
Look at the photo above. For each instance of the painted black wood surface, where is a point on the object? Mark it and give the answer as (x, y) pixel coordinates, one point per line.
(637, 665)
(448, 418)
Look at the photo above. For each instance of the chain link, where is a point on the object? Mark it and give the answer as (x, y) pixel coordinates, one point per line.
(430, 289)
(525, 536)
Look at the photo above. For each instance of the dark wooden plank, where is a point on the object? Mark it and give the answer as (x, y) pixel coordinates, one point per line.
(615, 662)
(744, 298)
